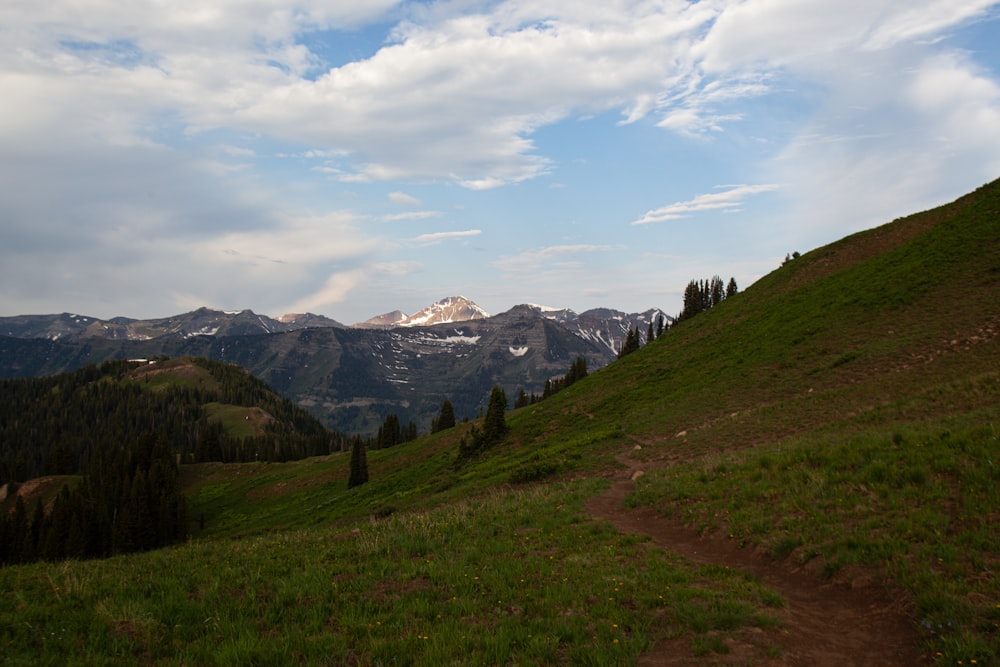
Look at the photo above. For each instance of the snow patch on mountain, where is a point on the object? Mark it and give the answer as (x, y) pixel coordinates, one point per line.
(458, 339)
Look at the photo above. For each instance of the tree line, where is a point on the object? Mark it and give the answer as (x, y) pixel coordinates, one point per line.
(701, 295)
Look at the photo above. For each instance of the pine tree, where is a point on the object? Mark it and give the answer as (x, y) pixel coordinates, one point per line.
(495, 423)
(649, 333)
(521, 400)
(359, 464)
(57, 527)
(445, 419)
(33, 543)
(691, 301)
(390, 433)
(493, 430)
(717, 291)
(20, 548)
(660, 325)
(731, 288)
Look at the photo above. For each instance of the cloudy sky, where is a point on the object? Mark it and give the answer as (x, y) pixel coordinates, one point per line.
(351, 157)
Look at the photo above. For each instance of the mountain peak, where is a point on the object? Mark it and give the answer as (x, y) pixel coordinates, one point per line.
(383, 321)
(449, 309)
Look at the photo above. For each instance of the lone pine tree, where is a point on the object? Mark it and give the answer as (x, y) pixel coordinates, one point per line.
(359, 464)
(445, 418)
(494, 426)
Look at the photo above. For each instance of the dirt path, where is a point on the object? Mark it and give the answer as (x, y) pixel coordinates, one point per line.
(823, 624)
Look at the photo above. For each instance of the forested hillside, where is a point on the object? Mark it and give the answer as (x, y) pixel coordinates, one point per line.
(128, 499)
(106, 442)
(206, 410)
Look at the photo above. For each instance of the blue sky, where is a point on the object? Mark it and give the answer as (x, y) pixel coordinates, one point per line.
(350, 158)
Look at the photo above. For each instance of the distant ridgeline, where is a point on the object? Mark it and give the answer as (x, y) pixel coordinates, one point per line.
(117, 432)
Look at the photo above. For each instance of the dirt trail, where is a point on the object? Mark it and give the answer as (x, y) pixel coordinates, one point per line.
(823, 624)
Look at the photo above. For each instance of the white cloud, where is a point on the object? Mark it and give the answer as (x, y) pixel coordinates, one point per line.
(918, 20)
(776, 33)
(903, 139)
(965, 104)
(403, 199)
(335, 289)
(728, 201)
(457, 93)
(410, 215)
(437, 237)
(538, 258)
(296, 242)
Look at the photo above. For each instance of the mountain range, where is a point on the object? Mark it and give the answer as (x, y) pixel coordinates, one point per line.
(349, 377)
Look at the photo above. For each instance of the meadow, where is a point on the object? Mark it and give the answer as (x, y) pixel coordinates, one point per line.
(511, 577)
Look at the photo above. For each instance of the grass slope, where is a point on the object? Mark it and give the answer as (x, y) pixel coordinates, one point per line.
(842, 413)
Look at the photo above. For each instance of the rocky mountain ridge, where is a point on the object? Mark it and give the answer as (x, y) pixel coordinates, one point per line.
(353, 378)
(349, 377)
(605, 326)
(200, 322)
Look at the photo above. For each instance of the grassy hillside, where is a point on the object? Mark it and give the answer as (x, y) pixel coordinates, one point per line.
(841, 414)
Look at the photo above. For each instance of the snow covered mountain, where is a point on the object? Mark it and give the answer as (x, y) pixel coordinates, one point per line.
(350, 378)
(606, 327)
(384, 321)
(446, 311)
(200, 322)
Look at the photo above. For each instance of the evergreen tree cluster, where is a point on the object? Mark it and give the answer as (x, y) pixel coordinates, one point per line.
(128, 499)
(445, 418)
(701, 295)
(392, 433)
(55, 425)
(633, 339)
(631, 344)
(214, 444)
(493, 430)
(524, 399)
(577, 371)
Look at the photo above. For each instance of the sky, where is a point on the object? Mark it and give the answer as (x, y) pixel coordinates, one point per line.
(353, 157)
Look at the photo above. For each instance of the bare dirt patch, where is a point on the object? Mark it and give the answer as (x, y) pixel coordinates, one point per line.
(824, 623)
